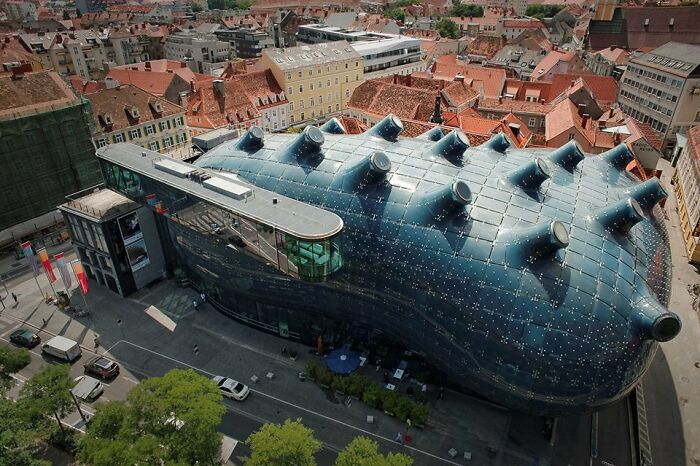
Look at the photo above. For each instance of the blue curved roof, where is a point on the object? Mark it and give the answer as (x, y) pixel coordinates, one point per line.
(539, 281)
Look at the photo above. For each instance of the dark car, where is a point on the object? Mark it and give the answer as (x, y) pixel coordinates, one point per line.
(102, 367)
(24, 337)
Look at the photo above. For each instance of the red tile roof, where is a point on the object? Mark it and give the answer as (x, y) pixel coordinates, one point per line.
(523, 24)
(84, 87)
(523, 89)
(604, 88)
(492, 79)
(208, 109)
(261, 84)
(613, 54)
(33, 92)
(514, 106)
(352, 125)
(487, 46)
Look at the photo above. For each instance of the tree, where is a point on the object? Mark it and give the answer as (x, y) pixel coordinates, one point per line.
(397, 14)
(404, 3)
(48, 393)
(195, 7)
(19, 435)
(288, 444)
(66, 16)
(11, 361)
(365, 452)
(460, 9)
(171, 419)
(543, 11)
(447, 28)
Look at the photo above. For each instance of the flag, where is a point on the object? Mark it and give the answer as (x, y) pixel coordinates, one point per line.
(29, 254)
(63, 269)
(46, 263)
(79, 272)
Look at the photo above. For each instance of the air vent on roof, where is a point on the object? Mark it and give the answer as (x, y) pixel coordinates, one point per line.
(178, 169)
(278, 60)
(227, 188)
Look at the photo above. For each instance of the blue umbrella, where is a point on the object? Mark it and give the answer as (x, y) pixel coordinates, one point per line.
(342, 361)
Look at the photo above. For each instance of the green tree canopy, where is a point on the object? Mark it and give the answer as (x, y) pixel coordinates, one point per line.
(403, 3)
(171, 419)
(20, 435)
(397, 14)
(288, 444)
(11, 361)
(195, 7)
(364, 451)
(447, 28)
(543, 11)
(48, 392)
(229, 4)
(460, 9)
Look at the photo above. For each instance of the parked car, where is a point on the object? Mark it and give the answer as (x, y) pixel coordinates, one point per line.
(102, 367)
(62, 348)
(87, 388)
(231, 388)
(24, 337)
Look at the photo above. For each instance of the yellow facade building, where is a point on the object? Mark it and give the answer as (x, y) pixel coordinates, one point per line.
(318, 79)
(687, 186)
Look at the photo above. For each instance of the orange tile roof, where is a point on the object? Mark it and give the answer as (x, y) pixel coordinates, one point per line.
(604, 88)
(613, 54)
(84, 87)
(523, 24)
(514, 106)
(208, 109)
(163, 66)
(550, 61)
(493, 79)
(487, 46)
(352, 125)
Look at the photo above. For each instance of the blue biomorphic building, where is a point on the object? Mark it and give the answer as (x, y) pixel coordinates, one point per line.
(535, 278)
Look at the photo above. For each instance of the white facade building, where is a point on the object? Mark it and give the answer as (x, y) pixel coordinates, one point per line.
(201, 51)
(390, 55)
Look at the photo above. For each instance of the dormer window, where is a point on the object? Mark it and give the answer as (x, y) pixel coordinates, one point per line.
(107, 118)
(133, 112)
(156, 106)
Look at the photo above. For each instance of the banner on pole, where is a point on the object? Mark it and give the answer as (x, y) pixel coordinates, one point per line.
(46, 263)
(62, 265)
(31, 258)
(79, 272)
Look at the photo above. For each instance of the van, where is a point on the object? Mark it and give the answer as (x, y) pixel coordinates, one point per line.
(62, 348)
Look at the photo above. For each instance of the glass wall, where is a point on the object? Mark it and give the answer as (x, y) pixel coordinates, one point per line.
(309, 260)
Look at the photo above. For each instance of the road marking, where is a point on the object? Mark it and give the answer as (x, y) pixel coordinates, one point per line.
(130, 379)
(301, 408)
(19, 377)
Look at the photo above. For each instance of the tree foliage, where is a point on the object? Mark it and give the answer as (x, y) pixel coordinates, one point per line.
(195, 7)
(171, 419)
(19, 435)
(460, 9)
(397, 14)
(404, 3)
(48, 392)
(229, 4)
(447, 28)
(543, 11)
(364, 451)
(288, 444)
(11, 361)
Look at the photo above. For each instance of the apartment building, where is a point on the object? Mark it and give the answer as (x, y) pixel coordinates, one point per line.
(318, 79)
(20, 10)
(129, 114)
(246, 42)
(83, 52)
(687, 187)
(204, 53)
(662, 88)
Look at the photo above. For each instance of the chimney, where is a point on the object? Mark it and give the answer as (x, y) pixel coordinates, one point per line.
(581, 109)
(573, 82)
(459, 77)
(148, 65)
(219, 86)
(584, 122)
(184, 99)
(193, 88)
(183, 64)
(612, 47)
(612, 110)
(500, 99)
(616, 138)
(396, 79)
(111, 83)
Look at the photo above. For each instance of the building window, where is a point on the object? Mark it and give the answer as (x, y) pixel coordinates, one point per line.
(179, 121)
(154, 146)
(347, 93)
(302, 116)
(357, 77)
(291, 119)
(150, 129)
(119, 137)
(336, 80)
(320, 100)
(337, 107)
(531, 123)
(347, 79)
(135, 133)
(289, 91)
(328, 83)
(164, 125)
(291, 106)
(311, 86)
(300, 74)
(312, 102)
(311, 72)
(168, 142)
(182, 138)
(301, 103)
(571, 136)
(329, 109)
(101, 142)
(301, 88)
(289, 75)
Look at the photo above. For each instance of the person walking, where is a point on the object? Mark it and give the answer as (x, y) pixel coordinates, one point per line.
(194, 304)
(14, 297)
(97, 343)
(203, 296)
(399, 438)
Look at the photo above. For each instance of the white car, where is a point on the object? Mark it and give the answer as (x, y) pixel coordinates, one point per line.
(87, 388)
(231, 388)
